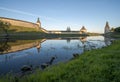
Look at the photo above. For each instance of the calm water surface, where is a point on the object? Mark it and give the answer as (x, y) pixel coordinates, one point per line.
(37, 53)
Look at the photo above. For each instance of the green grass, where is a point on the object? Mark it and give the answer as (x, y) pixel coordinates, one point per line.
(101, 65)
(19, 29)
(115, 34)
(17, 32)
(22, 29)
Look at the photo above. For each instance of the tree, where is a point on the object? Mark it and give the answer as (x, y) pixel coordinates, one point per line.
(117, 29)
(112, 29)
(4, 27)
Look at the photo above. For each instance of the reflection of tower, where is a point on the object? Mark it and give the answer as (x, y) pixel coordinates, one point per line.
(68, 40)
(38, 23)
(38, 44)
(83, 40)
(107, 28)
(38, 47)
(107, 41)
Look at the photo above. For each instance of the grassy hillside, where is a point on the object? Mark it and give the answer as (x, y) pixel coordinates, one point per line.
(21, 29)
(18, 29)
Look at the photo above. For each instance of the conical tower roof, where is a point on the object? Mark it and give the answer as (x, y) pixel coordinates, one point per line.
(107, 25)
(38, 20)
(83, 28)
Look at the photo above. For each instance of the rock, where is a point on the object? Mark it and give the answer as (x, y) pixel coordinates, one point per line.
(26, 68)
(53, 58)
(76, 55)
(43, 66)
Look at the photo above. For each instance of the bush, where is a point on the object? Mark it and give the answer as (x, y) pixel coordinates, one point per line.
(4, 27)
(117, 29)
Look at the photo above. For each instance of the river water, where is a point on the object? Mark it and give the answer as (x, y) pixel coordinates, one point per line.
(37, 53)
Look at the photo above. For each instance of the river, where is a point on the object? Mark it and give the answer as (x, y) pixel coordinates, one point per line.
(36, 53)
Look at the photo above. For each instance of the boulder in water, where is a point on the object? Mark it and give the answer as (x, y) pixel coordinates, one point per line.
(75, 55)
(26, 68)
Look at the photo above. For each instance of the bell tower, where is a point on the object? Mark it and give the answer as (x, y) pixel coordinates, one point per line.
(107, 28)
(38, 23)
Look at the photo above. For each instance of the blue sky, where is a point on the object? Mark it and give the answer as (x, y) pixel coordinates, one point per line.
(58, 14)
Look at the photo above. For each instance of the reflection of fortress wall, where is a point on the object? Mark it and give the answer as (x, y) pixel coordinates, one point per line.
(16, 48)
(15, 22)
(22, 47)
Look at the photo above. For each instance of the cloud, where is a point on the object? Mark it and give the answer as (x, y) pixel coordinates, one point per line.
(17, 11)
(27, 13)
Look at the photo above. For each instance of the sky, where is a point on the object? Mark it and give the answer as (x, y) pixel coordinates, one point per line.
(59, 14)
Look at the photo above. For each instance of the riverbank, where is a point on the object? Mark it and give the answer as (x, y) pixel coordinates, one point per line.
(35, 35)
(115, 35)
(101, 65)
(17, 32)
(39, 35)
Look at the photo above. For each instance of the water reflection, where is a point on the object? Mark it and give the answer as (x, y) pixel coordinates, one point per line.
(44, 52)
(38, 46)
(4, 45)
(83, 39)
(68, 40)
(107, 40)
(7, 46)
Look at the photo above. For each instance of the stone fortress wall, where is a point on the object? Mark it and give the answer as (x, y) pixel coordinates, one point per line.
(22, 23)
(37, 25)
